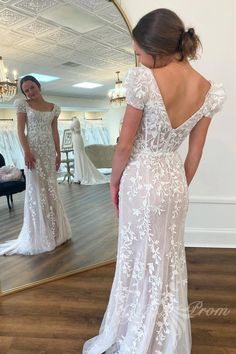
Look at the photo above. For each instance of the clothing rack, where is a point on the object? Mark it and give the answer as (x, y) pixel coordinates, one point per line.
(93, 118)
(70, 120)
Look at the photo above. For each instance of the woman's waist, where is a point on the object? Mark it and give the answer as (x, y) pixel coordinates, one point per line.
(41, 145)
(39, 137)
(150, 153)
(39, 131)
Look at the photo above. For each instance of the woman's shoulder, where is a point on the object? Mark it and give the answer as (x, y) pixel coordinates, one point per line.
(136, 85)
(138, 71)
(19, 101)
(137, 75)
(21, 105)
(50, 106)
(217, 89)
(215, 100)
(55, 106)
(56, 109)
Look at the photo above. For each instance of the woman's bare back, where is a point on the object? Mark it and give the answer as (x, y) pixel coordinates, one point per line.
(183, 91)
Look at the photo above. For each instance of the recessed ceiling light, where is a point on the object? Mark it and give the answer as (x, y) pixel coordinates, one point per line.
(87, 85)
(43, 78)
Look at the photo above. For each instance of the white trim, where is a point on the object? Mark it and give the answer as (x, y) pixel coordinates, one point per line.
(214, 238)
(212, 200)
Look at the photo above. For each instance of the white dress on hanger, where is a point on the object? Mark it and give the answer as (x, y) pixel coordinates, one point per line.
(45, 224)
(148, 311)
(84, 170)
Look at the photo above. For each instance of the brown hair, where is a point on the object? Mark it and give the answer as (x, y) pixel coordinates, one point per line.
(162, 33)
(29, 78)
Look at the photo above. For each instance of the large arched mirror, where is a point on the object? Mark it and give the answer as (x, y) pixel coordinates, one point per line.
(73, 41)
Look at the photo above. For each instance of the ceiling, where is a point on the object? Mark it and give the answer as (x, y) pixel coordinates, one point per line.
(75, 40)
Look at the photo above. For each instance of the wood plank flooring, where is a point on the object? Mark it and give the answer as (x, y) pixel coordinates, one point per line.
(94, 237)
(57, 317)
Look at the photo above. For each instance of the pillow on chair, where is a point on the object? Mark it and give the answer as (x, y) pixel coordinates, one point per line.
(10, 173)
(11, 186)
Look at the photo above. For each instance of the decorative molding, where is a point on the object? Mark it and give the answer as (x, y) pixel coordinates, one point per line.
(10, 17)
(36, 27)
(35, 6)
(210, 237)
(212, 200)
(35, 34)
(89, 5)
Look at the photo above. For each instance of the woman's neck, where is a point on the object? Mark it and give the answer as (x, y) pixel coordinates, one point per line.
(36, 100)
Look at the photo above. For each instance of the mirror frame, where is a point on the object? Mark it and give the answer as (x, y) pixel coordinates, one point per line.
(94, 266)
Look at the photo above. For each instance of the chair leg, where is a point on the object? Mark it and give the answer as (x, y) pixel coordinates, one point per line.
(10, 201)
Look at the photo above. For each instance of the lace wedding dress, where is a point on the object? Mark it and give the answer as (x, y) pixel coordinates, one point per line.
(84, 170)
(45, 224)
(148, 307)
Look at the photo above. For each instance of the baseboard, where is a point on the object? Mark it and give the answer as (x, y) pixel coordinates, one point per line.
(214, 238)
(212, 200)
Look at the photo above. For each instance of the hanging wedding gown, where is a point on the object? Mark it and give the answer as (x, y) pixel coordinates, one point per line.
(84, 170)
(45, 224)
(147, 311)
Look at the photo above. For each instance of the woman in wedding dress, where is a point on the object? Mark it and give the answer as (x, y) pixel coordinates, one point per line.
(167, 101)
(84, 170)
(45, 224)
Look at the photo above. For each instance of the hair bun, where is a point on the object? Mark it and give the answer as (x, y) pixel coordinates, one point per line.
(191, 32)
(162, 33)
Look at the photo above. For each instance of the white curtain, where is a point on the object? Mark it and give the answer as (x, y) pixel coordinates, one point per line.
(92, 132)
(10, 146)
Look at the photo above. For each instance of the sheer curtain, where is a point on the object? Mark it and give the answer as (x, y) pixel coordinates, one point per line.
(10, 146)
(92, 132)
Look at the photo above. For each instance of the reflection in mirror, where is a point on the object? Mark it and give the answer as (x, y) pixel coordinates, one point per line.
(76, 42)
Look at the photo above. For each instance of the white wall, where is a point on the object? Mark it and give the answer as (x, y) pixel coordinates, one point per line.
(211, 219)
(69, 103)
(10, 113)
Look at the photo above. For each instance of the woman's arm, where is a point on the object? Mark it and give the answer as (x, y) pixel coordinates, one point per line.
(131, 122)
(29, 158)
(56, 139)
(197, 140)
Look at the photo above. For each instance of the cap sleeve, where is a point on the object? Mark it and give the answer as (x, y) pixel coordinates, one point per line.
(136, 85)
(20, 105)
(57, 111)
(216, 100)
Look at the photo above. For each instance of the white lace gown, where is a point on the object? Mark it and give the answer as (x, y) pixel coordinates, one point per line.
(45, 224)
(84, 170)
(148, 307)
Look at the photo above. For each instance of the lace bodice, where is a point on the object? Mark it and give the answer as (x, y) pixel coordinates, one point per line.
(37, 121)
(39, 127)
(156, 133)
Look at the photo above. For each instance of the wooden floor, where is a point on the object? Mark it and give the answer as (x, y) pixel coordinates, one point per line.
(57, 317)
(94, 237)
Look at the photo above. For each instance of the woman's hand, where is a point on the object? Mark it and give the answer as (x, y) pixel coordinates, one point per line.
(58, 162)
(115, 197)
(29, 160)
